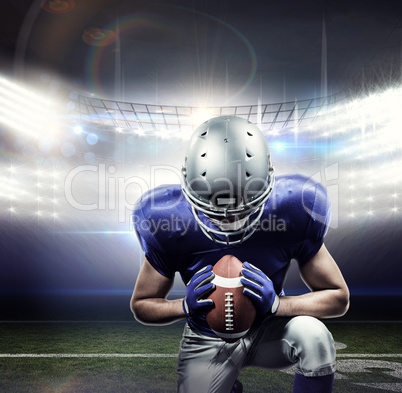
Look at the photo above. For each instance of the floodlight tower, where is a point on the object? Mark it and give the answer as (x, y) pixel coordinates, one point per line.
(324, 74)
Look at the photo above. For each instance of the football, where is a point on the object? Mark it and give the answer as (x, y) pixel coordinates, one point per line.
(233, 314)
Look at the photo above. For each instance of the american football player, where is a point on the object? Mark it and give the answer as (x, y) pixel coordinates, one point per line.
(230, 202)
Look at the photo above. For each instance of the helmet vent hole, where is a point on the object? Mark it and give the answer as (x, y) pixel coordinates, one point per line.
(204, 133)
(249, 133)
(203, 174)
(248, 155)
(204, 154)
(248, 174)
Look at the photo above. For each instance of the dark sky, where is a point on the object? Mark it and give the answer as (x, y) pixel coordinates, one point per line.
(202, 52)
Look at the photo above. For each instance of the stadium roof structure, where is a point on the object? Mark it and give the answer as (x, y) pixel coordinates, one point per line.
(147, 118)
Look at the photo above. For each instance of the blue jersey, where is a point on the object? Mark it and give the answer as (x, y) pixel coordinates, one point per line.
(293, 225)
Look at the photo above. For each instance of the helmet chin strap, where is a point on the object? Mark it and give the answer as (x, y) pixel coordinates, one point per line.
(235, 225)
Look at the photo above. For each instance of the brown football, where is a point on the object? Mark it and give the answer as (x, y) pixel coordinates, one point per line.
(233, 314)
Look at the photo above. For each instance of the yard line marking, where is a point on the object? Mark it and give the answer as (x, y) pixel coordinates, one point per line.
(369, 355)
(163, 355)
(88, 355)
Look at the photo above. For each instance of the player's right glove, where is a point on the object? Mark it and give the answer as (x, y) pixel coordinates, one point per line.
(260, 289)
(198, 288)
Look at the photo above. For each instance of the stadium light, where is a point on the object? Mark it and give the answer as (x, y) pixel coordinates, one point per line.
(376, 114)
(25, 111)
(78, 130)
(200, 115)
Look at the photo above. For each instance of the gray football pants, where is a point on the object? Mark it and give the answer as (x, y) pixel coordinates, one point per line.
(210, 365)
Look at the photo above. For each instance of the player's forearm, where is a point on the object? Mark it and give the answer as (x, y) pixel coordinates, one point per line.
(328, 303)
(157, 311)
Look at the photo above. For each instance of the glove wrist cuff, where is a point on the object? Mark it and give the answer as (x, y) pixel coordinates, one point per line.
(185, 308)
(275, 306)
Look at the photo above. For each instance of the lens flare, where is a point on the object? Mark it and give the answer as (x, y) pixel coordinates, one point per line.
(57, 6)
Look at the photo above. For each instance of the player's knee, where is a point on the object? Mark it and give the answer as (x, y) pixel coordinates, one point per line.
(313, 342)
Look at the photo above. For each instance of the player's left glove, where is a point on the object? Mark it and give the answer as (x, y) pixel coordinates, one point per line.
(260, 289)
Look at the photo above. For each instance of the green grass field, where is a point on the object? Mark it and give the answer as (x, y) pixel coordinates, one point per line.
(370, 362)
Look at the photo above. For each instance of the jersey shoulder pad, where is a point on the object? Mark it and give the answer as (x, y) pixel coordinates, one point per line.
(301, 193)
(157, 214)
(315, 200)
(301, 201)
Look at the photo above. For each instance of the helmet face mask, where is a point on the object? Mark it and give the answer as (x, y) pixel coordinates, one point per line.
(227, 178)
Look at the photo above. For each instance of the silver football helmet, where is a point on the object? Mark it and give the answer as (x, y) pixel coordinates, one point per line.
(227, 177)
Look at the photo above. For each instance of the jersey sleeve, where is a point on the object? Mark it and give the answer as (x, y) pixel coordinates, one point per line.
(146, 226)
(316, 204)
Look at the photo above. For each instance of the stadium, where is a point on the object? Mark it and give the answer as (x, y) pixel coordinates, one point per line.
(75, 156)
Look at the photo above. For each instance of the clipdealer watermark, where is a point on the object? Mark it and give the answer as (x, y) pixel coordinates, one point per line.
(105, 190)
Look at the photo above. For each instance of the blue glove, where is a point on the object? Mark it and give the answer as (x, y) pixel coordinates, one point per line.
(259, 289)
(198, 288)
